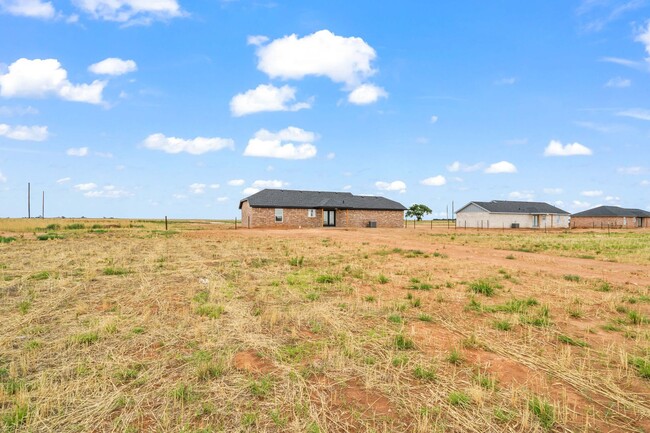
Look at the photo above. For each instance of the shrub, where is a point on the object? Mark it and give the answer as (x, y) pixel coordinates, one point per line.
(75, 226)
(6, 240)
(502, 325)
(49, 236)
(571, 277)
(296, 261)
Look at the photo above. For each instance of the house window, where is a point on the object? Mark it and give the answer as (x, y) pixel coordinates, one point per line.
(311, 213)
(279, 215)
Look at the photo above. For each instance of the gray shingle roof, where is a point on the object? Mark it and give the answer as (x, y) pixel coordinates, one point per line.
(285, 198)
(612, 211)
(518, 207)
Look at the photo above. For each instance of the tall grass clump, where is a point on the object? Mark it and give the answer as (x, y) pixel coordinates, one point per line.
(484, 287)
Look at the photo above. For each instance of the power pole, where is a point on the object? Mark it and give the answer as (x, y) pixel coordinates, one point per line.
(29, 201)
(43, 208)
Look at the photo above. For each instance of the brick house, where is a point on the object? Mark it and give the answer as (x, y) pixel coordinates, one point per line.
(611, 217)
(282, 208)
(498, 214)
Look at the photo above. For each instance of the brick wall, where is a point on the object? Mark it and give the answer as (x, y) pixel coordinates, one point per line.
(360, 218)
(602, 222)
(294, 218)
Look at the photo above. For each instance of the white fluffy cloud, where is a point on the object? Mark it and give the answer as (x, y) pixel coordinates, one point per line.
(77, 151)
(366, 94)
(256, 40)
(592, 193)
(3, 178)
(250, 190)
(24, 133)
(434, 181)
(396, 185)
(28, 8)
(113, 66)
(553, 190)
(131, 11)
(457, 166)
(39, 78)
(618, 82)
(92, 190)
(501, 167)
(341, 59)
(85, 186)
(580, 204)
(194, 146)
(644, 38)
(63, 180)
(635, 113)
(197, 188)
(269, 184)
(433, 119)
(279, 144)
(555, 148)
(236, 182)
(266, 97)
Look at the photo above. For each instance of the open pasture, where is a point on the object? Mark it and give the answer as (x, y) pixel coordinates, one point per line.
(123, 326)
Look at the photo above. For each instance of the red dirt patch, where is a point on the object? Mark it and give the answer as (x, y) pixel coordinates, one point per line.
(251, 362)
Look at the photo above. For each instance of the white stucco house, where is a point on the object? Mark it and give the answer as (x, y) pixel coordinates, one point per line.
(498, 214)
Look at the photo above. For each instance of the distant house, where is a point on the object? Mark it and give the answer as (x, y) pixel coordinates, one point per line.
(511, 214)
(293, 209)
(612, 217)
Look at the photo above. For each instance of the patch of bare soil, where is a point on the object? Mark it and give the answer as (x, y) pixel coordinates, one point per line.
(251, 362)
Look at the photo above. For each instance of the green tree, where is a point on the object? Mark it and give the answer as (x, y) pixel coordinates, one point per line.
(418, 211)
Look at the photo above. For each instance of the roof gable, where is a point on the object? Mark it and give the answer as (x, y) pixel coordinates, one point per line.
(516, 207)
(284, 198)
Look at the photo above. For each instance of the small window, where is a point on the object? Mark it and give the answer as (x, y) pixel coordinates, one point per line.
(279, 215)
(311, 213)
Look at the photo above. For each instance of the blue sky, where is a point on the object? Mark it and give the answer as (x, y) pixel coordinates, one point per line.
(146, 108)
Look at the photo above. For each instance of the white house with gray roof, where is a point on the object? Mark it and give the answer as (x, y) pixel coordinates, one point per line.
(497, 214)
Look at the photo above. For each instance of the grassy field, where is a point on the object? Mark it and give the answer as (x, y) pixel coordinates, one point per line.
(120, 325)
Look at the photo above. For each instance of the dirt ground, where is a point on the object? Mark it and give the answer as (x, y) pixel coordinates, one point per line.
(319, 330)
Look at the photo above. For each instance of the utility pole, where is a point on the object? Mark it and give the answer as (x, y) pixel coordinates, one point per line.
(43, 207)
(29, 201)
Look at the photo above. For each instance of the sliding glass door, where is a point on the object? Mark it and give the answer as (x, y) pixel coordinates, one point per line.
(329, 218)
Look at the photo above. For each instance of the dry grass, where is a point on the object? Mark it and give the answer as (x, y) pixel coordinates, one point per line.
(204, 328)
